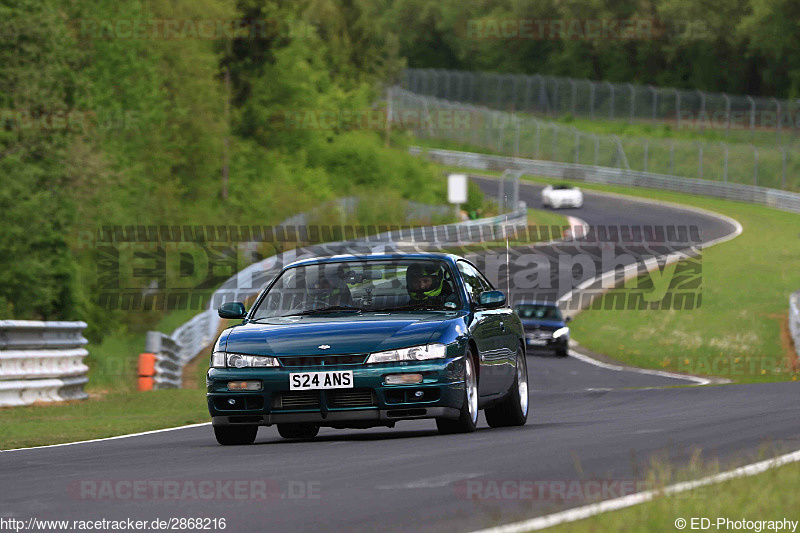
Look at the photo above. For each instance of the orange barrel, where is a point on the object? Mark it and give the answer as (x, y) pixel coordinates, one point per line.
(147, 369)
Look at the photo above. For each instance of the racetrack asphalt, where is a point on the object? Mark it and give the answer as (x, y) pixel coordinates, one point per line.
(586, 423)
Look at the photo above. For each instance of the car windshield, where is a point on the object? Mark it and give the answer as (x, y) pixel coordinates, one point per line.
(361, 286)
(539, 312)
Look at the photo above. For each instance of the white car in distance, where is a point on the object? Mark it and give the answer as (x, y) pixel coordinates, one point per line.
(557, 196)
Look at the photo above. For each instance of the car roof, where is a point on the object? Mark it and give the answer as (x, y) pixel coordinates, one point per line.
(450, 258)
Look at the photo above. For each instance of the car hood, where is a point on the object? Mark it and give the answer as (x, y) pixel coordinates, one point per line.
(293, 336)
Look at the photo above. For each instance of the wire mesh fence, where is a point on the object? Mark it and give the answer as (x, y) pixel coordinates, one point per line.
(556, 96)
(521, 135)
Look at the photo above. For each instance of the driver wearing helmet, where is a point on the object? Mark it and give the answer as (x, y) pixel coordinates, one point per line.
(426, 285)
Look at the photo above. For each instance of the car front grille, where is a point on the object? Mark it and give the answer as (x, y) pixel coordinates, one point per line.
(540, 335)
(322, 360)
(307, 399)
(351, 398)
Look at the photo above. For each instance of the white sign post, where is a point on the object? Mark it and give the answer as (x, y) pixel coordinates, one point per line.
(457, 191)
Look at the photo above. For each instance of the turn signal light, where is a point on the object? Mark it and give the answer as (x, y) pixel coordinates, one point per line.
(244, 385)
(402, 379)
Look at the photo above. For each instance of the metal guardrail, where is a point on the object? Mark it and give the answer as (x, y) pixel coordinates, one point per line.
(786, 201)
(174, 351)
(41, 362)
(169, 364)
(794, 320)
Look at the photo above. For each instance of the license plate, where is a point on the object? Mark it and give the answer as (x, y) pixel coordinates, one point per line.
(321, 380)
(537, 342)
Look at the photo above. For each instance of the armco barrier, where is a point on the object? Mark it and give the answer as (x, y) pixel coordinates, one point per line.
(174, 351)
(794, 320)
(787, 201)
(41, 362)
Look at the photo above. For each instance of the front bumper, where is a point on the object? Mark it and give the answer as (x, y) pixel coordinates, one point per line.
(369, 403)
(548, 343)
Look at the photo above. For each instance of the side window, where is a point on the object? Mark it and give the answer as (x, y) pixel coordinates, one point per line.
(472, 280)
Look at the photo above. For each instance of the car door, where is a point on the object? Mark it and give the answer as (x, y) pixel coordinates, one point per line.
(486, 330)
(507, 341)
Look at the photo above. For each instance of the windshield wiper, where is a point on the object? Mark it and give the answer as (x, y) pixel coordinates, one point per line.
(330, 308)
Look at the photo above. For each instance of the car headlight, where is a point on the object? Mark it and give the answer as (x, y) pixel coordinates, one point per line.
(414, 353)
(237, 360)
(559, 332)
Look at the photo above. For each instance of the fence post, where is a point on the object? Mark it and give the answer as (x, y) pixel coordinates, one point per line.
(574, 93)
(700, 160)
(528, 83)
(516, 141)
(702, 106)
(555, 143)
(727, 114)
(678, 107)
(646, 150)
(755, 165)
(538, 127)
(783, 172)
(725, 164)
(633, 99)
(752, 113)
(611, 101)
(672, 158)
(778, 117)
(655, 100)
(577, 145)
(596, 151)
(591, 99)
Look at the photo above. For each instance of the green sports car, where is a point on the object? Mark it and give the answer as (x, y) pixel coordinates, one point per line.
(366, 341)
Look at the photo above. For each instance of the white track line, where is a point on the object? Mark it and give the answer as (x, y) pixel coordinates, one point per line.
(592, 361)
(108, 438)
(579, 513)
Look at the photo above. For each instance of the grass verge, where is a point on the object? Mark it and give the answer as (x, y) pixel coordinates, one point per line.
(117, 413)
(767, 496)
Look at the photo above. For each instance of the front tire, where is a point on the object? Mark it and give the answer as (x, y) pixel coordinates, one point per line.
(298, 431)
(513, 410)
(467, 420)
(236, 435)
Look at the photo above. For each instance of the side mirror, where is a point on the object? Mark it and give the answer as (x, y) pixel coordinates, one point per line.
(232, 310)
(491, 299)
(568, 319)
